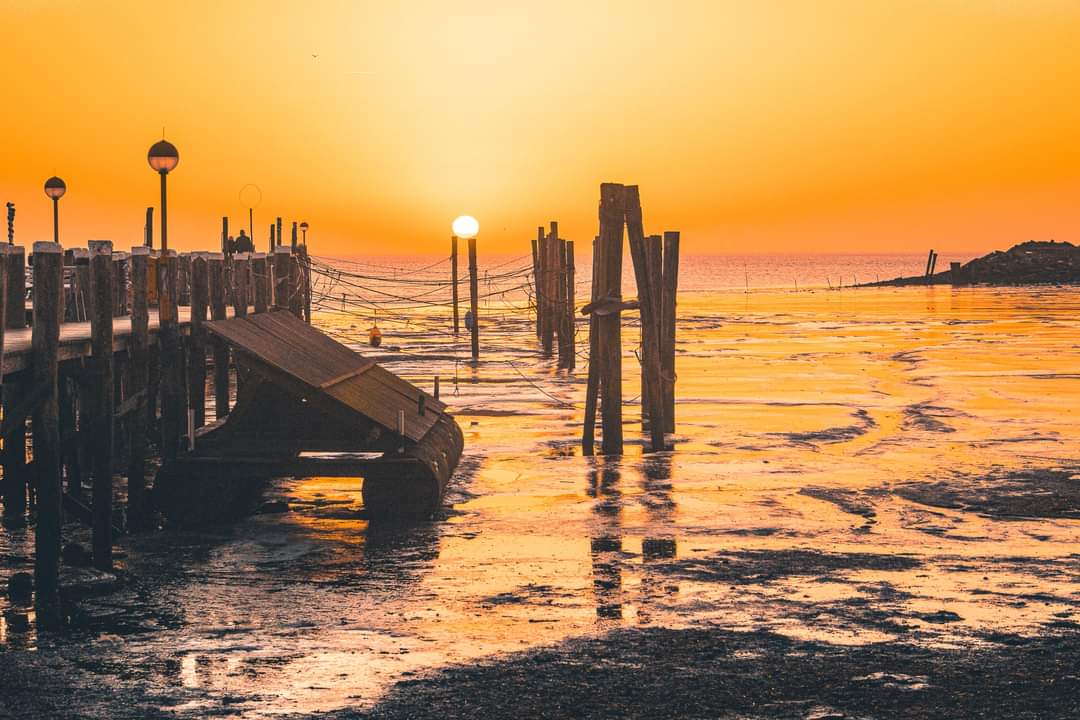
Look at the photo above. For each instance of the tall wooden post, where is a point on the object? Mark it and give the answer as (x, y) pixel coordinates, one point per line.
(571, 350)
(667, 339)
(547, 297)
(563, 326)
(215, 264)
(14, 318)
(474, 304)
(536, 281)
(184, 289)
(138, 385)
(45, 345)
(609, 326)
(454, 281)
(592, 385)
(650, 321)
(280, 236)
(293, 243)
(240, 284)
(200, 303)
(654, 264)
(305, 277)
(101, 399)
(172, 378)
(148, 229)
(260, 273)
(224, 233)
(296, 279)
(273, 243)
(281, 277)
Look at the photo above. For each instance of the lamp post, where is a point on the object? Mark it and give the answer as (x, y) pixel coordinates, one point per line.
(163, 157)
(55, 189)
(303, 229)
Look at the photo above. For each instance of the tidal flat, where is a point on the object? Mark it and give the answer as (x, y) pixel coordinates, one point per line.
(871, 509)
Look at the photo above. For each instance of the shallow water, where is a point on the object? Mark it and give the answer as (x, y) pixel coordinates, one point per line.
(818, 433)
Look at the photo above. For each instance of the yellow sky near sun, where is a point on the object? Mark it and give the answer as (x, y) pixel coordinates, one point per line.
(766, 126)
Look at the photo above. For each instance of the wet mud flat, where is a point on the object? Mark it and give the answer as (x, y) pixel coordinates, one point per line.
(871, 510)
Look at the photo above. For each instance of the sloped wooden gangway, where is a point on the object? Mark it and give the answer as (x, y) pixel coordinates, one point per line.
(312, 407)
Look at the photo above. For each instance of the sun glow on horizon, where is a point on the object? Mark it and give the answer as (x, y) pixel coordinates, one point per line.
(466, 226)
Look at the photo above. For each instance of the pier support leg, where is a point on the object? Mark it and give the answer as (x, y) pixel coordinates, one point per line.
(216, 280)
(101, 398)
(138, 386)
(667, 339)
(45, 343)
(474, 300)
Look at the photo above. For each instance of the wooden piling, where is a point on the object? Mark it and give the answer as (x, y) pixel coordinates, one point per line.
(45, 342)
(215, 264)
(592, 384)
(654, 264)
(281, 277)
(296, 279)
(138, 386)
(172, 377)
(650, 321)
(280, 236)
(14, 453)
(200, 303)
(454, 280)
(536, 281)
(547, 296)
(272, 244)
(609, 326)
(224, 234)
(260, 274)
(474, 304)
(240, 284)
(305, 278)
(669, 293)
(183, 296)
(571, 351)
(101, 400)
(561, 327)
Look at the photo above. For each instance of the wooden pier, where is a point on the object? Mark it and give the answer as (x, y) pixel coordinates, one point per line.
(120, 354)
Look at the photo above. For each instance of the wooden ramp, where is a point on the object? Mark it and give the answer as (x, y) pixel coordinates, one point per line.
(308, 405)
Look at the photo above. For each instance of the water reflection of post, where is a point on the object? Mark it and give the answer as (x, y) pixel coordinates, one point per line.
(606, 538)
(659, 544)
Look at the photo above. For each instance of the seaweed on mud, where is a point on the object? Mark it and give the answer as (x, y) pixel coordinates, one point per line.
(715, 672)
(924, 416)
(864, 423)
(764, 566)
(1025, 493)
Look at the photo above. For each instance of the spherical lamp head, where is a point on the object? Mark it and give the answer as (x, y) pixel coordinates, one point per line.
(163, 156)
(55, 188)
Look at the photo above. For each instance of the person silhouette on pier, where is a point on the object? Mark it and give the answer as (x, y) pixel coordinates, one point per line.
(243, 243)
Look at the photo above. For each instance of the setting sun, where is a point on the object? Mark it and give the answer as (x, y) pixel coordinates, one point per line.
(466, 226)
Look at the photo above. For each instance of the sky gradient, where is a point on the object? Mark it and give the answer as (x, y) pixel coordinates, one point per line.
(772, 126)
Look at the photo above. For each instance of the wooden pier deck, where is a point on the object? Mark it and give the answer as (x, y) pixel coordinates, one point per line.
(75, 339)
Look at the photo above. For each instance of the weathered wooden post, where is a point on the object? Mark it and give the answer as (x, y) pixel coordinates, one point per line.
(272, 244)
(148, 228)
(650, 320)
(200, 302)
(654, 264)
(293, 243)
(571, 351)
(172, 377)
(592, 384)
(609, 325)
(240, 284)
(184, 289)
(138, 386)
(454, 281)
(280, 236)
(101, 400)
(474, 304)
(296, 279)
(536, 279)
(667, 340)
(281, 277)
(15, 471)
(215, 264)
(929, 260)
(547, 297)
(305, 268)
(224, 234)
(45, 344)
(261, 277)
(559, 262)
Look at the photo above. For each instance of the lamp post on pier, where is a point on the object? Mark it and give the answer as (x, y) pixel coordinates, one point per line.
(163, 158)
(303, 230)
(55, 189)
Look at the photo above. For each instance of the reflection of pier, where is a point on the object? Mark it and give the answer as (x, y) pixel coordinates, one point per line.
(606, 541)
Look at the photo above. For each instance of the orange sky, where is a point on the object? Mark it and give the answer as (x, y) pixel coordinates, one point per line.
(762, 126)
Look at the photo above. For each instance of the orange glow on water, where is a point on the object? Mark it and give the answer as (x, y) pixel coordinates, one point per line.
(774, 126)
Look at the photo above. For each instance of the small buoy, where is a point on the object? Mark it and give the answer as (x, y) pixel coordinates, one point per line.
(375, 337)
